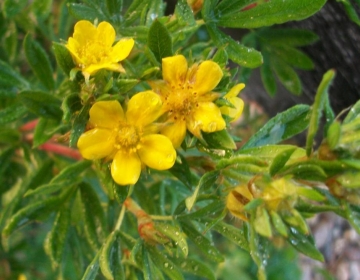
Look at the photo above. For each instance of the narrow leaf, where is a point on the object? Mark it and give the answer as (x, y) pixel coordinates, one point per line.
(269, 13)
(281, 127)
(39, 62)
(159, 40)
(63, 58)
(41, 104)
(317, 108)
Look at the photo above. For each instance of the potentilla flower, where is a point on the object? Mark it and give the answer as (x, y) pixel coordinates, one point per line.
(129, 138)
(188, 98)
(237, 200)
(238, 103)
(92, 48)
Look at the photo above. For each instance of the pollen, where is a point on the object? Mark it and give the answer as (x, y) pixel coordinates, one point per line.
(128, 137)
(180, 102)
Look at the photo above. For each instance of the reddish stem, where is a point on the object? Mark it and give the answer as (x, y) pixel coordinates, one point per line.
(61, 150)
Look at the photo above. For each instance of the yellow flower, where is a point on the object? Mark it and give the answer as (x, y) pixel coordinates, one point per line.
(129, 138)
(187, 97)
(238, 103)
(278, 192)
(92, 48)
(237, 199)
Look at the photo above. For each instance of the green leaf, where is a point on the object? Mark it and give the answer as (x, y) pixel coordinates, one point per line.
(9, 78)
(262, 222)
(92, 269)
(219, 139)
(114, 6)
(11, 8)
(194, 267)
(317, 109)
(240, 54)
(278, 223)
(174, 234)
(288, 36)
(149, 269)
(287, 76)
(69, 176)
(304, 244)
(159, 41)
(268, 13)
(235, 235)
(163, 263)
(184, 13)
(63, 58)
(134, 11)
(39, 62)
(333, 135)
(56, 238)
(230, 6)
(79, 124)
(82, 11)
(208, 179)
(72, 172)
(93, 215)
(281, 127)
(41, 104)
(306, 171)
(352, 215)
(29, 213)
(353, 113)
(294, 57)
(351, 11)
(267, 76)
(182, 171)
(201, 242)
(110, 258)
(12, 113)
(44, 130)
(280, 160)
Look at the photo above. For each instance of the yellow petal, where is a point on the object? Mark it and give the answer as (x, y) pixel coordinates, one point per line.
(207, 117)
(143, 108)
(106, 114)
(96, 143)
(122, 49)
(174, 69)
(157, 152)
(106, 33)
(93, 68)
(207, 76)
(233, 113)
(235, 90)
(126, 168)
(176, 132)
(84, 31)
(73, 47)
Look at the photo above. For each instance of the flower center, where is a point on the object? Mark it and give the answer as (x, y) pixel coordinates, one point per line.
(180, 102)
(94, 52)
(127, 137)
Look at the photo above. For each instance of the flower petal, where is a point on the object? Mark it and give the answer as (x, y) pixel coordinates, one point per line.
(157, 152)
(84, 31)
(106, 114)
(235, 90)
(122, 49)
(174, 69)
(93, 68)
(207, 77)
(236, 112)
(105, 33)
(207, 117)
(143, 108)
(126, 168)
(73, 47)
(176, 132)
(96, 143)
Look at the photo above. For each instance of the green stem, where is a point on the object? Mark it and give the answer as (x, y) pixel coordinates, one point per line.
(163, 218)
(121, 217)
